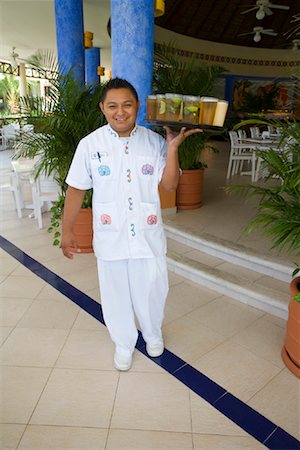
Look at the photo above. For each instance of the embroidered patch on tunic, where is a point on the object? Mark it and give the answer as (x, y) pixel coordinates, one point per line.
(105, 219)
(103, 170)
(132, 229)
(147, 169)
(152, 220)
(129, 175)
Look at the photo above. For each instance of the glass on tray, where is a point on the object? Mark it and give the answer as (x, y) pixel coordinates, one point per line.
(151, 107)
(208, 107)
(191, 109)
(173, 107)
(220, 113)
(160, 107)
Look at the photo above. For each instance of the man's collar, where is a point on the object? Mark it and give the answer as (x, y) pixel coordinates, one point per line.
(115, 134)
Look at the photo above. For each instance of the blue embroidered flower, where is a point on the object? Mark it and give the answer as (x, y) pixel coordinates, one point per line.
(147, 169)
(103, 170)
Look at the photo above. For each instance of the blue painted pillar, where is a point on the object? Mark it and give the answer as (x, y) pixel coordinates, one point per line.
(229, 84)
(132, 32)
(92, 61)
(70, 36)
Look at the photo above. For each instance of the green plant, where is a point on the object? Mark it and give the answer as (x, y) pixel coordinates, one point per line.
(278, 209)
(69, 113)
(190, 151)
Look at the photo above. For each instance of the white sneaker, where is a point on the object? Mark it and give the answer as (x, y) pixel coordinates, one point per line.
(121, 362)
(155, 350)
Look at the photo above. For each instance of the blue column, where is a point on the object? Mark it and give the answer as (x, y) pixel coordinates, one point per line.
(132, 30)
(70, 36)
(92, 61)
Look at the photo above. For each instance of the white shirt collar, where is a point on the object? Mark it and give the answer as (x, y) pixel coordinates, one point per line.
(115, 134)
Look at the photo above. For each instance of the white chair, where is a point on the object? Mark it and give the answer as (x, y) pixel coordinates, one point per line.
(13, 186)
(255, 133)
(28, 128)
(44, 191)
(242, 134)
(239, 153)
(8, 134)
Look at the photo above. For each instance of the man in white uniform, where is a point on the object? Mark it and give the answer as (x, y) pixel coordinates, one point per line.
(124, 163)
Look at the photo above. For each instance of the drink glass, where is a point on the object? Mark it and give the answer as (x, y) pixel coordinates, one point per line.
(151, 107)
(191, 108)
(220, 113)
(208, 107)
(173, 107)
(160, 107)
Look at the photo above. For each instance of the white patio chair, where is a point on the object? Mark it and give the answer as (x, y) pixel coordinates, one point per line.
(255, 133)
(8, 135)
(44, 191)
(13, 186)
(239, 153)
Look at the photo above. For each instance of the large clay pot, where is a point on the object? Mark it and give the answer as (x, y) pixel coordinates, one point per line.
(189, 190)
(83, 230)
(291, 350)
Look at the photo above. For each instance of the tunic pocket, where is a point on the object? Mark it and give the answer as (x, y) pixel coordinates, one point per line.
(106, 217)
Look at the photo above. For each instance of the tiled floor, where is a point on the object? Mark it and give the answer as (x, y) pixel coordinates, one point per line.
(60, 389)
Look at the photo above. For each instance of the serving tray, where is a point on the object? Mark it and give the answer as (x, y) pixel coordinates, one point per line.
(177, 125)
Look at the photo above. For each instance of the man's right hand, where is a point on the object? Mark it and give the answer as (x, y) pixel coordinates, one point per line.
(69, 245)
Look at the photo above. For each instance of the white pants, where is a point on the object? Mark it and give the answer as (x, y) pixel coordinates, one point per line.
(133, 287)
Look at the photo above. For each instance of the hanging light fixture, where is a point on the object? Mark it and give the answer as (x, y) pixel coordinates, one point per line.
(159, 8)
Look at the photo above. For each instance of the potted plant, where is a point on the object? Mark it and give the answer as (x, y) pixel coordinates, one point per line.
(172, 74)
(68, 113)
(278, 215)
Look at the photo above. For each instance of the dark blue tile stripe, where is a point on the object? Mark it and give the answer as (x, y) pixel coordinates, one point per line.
(262, 429)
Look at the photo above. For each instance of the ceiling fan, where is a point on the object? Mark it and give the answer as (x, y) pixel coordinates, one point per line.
(258, 31)
(264, 7)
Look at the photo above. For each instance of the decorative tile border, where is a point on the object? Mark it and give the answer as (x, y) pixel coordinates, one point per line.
(231, 59)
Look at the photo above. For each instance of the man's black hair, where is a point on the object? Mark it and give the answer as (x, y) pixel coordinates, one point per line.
(118, 83)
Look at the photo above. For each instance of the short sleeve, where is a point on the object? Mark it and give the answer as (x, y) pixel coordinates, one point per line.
(79, 175)
(162, 157)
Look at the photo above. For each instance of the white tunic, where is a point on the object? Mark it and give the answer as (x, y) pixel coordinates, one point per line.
(124, 174)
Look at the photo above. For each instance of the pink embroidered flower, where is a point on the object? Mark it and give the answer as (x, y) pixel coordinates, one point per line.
(105, 219)
(152, 220)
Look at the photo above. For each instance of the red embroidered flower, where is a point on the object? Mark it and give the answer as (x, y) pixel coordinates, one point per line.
(105, 219)
(152, 220)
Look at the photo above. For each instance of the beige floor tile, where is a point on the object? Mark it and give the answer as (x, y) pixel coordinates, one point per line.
(146, 440)
(4, 333)
(272, 283)
(21, 287)
(208, 442)
(8, 264)
(86, 279)
(279, 401)
(85, 349)
(264, 339)
(60, 438)
(63, 265)
(142, 363)
(225, 316)
(85, 321)
(188, 296)
(43, 256)
(208, 420)
(94, 294)
(81, 398)
(176, 246)
(27, 243)
(151, 401)
(188, 340)
(21, 389)
(60, 314)
(237, 369)
(22, 271)
(239, 271)
(12, 309)
(276, 320)
(174, 278)
(50, 293)
(10, 435)
(38, 347)
(204, 258)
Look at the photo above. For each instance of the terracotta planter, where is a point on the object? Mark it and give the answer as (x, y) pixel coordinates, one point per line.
(291, 350)
(83, 230)
(189, 190)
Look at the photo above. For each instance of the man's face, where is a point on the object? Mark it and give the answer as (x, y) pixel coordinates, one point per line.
(120, 109)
